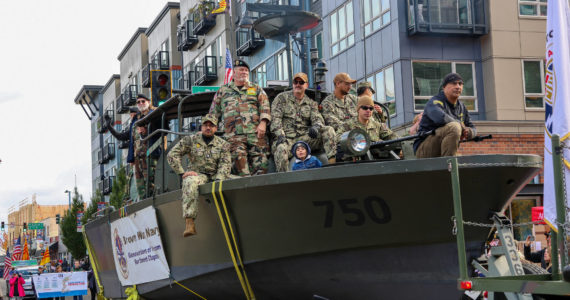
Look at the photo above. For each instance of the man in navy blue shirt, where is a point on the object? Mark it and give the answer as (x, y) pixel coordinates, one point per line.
(449, 119)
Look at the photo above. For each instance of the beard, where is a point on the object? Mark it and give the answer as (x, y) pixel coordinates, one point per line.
(143, 107)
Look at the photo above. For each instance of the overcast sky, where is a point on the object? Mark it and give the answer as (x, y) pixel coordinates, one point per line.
(49, 50)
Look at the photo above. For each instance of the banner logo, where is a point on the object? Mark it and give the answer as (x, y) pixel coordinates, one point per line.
(121, 254)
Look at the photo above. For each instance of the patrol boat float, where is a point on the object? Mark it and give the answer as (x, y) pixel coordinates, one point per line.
(369, 230)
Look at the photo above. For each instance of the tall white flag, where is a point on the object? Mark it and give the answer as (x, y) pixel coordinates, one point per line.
(557, 98)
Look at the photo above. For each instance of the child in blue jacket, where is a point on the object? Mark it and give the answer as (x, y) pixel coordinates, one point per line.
(304, 160)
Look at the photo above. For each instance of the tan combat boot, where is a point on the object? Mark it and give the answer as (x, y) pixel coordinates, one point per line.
(190, 227)
(332, 160)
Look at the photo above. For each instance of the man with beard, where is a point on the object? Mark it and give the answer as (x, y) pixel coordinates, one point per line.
(209, 159)
(296, 118)
(448, 117)
(340, 106)
(243, 109)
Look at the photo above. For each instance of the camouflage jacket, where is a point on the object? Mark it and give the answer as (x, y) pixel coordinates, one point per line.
(292, 118)
(336, 112)
(212, 159)
(376, 131)
(240, 110)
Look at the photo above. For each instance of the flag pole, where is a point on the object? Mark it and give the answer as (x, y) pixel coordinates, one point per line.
(557, 241)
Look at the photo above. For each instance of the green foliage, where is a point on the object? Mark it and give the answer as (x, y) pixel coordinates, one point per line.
(93, 205)
(118, 191)
(72, 239)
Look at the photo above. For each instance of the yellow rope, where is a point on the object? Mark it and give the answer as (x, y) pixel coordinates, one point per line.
(241, 280)
(191, 291)
(94, 265)
(132, 293)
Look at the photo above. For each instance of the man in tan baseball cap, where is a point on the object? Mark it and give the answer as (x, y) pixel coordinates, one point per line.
(340, 106)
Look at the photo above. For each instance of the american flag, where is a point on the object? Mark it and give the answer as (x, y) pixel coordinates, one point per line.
(7, 264)
(17, 250)
(229, 67)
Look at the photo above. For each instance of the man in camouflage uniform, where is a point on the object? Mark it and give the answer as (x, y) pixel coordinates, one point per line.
(340, 106)
(364, 88)
(376, 131)
(243, 109)
(209, 159)
(295, 117)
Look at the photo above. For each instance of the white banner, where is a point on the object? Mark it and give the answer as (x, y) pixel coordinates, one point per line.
(60, 284)
(137, 248)
(557, 98)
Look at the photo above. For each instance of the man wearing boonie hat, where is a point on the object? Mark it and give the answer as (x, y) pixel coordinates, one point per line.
(296, 117)
(340, 106)
(243, 110)
(448, 117)
(376, 131)
(364, 88)
(209, 159)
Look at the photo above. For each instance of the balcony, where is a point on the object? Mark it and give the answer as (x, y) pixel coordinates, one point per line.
(206, 70)
(108, 152)
(100, 125)
(186, 37)
(130, 95)
(108, 185)
(160, 61)
(248, 40)
(447, 17)
(202, 18)
(121, 108)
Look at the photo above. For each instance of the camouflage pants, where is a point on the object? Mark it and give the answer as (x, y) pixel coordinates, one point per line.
(249, 154)
(142, 176)
(190, 194)
(326, 142)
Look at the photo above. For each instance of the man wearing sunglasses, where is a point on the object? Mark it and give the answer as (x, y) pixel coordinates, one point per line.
(376, 131)
(295, 117)
(364, 88)
(243, 110)
(450, 119)
(340, 106)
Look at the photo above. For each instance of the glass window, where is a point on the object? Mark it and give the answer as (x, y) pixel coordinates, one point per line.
(532, 8)
(261, 75)
(282, 66)
(342, 29)
(383, 83)
(427, 77)
(376, 14)
(319, 43)
(533, 71)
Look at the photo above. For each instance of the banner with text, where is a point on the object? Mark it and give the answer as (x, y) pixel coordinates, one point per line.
(137, 248)
(60, 284)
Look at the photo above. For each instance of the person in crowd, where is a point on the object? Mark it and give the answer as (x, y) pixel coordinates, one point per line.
(17, 286)
(65, 265)
(303, 158)
(340, 106)
(364, 88)
(59, 269)
(209, 159)
(243, 109)
(91, 284)
(77, 268)
(296, 117)
(448, 117)
(376, 131)
(541, 256)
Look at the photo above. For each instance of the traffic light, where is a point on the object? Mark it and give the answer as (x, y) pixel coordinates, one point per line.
(57, 219)
(25, 227)
(160, 86)
(2, 225)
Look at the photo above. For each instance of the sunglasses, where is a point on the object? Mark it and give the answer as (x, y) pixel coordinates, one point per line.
(141, 101)
(300, 82)
(367, 107)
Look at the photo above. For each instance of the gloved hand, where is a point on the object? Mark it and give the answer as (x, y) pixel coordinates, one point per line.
(314, 131)
(280, 140)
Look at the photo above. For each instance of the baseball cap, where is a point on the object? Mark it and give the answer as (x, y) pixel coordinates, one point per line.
(366, 84)
(210, 118)
(343, 77)
(301, 75)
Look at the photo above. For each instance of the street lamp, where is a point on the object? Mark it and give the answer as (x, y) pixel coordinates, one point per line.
(68, 197)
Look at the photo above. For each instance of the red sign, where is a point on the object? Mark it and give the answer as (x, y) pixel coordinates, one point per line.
(538, 214)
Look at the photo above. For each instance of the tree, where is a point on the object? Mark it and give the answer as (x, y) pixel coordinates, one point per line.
(93, 206)
(72, 239)
(118, 191)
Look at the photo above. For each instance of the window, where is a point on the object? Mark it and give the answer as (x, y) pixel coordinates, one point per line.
(221, 51)
(260, 75)
(282, 63)
(376, 14)
(532, 8)
(383, 83)
(427, 77)
(533, 78)
(342, 29)
(318, 43)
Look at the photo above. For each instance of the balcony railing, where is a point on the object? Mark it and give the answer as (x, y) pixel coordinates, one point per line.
(130, 95)
(100, 124)
(456, 17)
(248, 40)
(121, 108)
(206, 70)
(202, 18)
(186, 37)
(108, 152)
(108, 185)
(160, 61)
